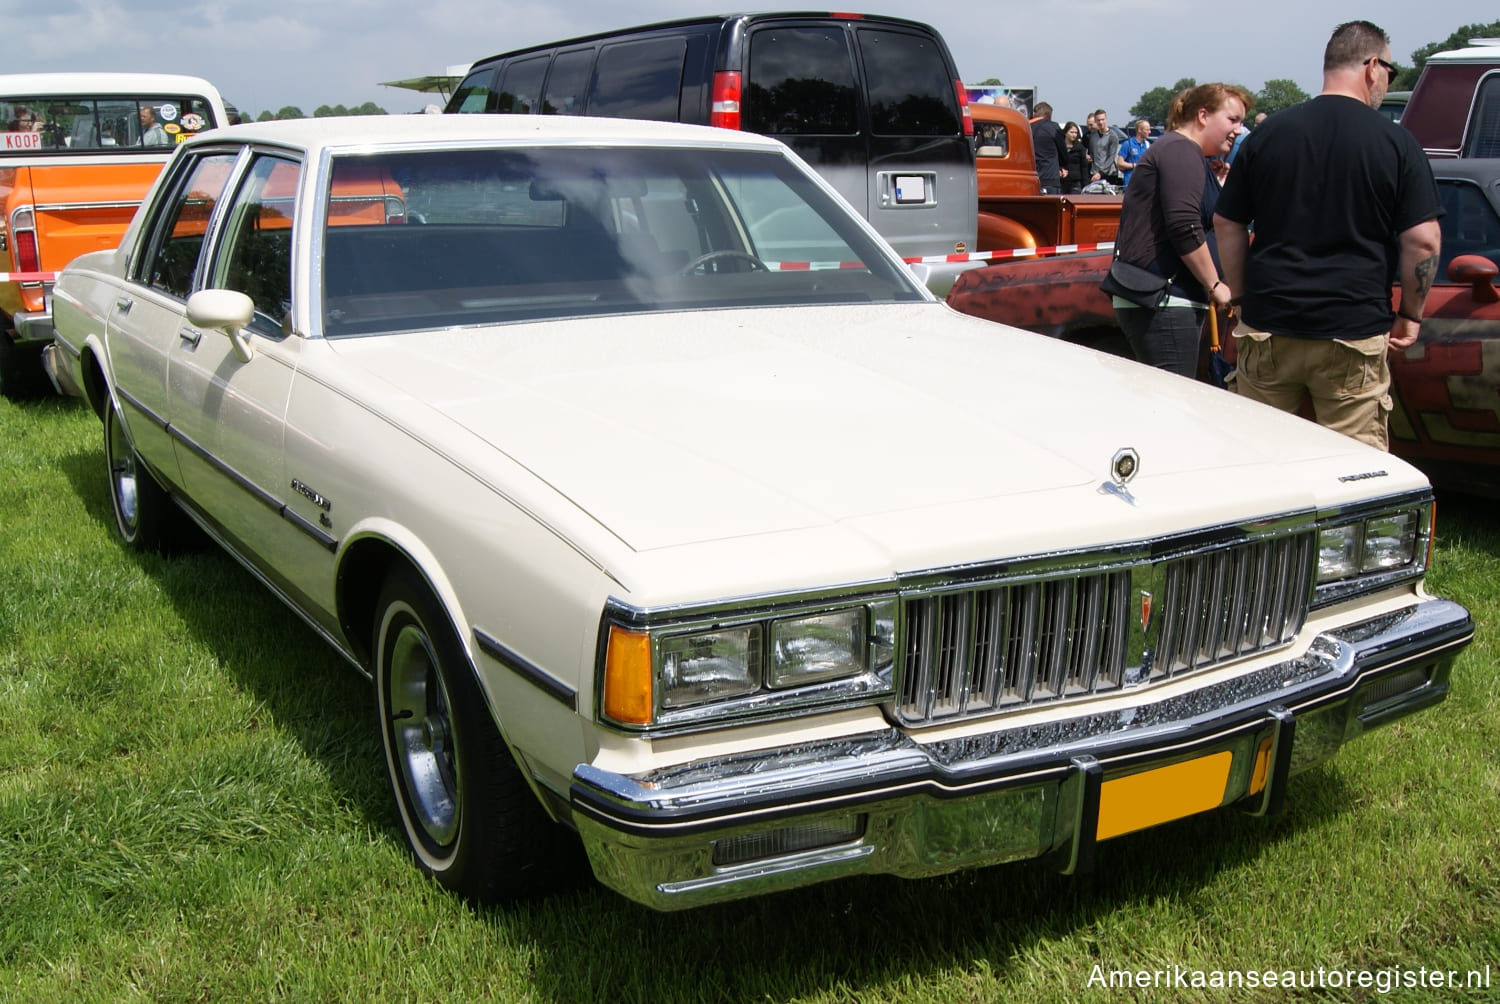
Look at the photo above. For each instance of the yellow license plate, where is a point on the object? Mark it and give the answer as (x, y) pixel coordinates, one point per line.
(1157, 796)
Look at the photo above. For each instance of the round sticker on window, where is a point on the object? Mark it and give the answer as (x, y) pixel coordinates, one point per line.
(193, 122)
(172, 128)
(168, 112)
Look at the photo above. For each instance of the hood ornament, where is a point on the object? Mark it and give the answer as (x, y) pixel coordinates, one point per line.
(1122, 467)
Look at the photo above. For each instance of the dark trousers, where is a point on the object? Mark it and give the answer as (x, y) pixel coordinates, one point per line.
(1166, 338)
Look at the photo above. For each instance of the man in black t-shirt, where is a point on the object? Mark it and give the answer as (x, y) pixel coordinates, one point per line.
(1049, 148)
(1343, 205)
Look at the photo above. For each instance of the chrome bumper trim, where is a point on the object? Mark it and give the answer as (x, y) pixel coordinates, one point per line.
(1007, 795)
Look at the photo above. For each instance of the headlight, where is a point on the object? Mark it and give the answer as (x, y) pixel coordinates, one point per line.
(682, 674)
(1372, 550)
(709, 666)
(1390, 542)
(820, 647)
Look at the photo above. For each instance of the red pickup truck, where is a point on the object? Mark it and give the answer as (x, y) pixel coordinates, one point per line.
(1446, 387)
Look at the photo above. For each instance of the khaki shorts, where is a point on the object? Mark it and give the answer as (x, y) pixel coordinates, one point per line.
(1348, 380)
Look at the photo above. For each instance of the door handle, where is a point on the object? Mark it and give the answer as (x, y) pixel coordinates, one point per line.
(190, 335)
(123, 304)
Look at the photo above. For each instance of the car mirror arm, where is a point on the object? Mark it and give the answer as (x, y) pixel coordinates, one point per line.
(225, 310)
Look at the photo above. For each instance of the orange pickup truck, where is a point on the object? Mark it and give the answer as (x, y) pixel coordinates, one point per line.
(78, 152)
(1013, 212)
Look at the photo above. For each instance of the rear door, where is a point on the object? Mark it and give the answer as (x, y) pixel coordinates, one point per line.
(922, 185)
(801, 87)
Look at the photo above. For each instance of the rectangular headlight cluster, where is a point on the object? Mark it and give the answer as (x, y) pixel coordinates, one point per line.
(1372, 550)
(688, 673)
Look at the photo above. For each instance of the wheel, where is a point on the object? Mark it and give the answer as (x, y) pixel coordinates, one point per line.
(466, 812)
(21, 373)
(143, 509)
(725, 254)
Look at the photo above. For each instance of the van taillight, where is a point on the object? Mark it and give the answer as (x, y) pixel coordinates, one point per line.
(963, 107)
(23, 235)
(725, 112)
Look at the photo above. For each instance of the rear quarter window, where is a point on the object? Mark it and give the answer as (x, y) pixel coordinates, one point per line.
(639, 79)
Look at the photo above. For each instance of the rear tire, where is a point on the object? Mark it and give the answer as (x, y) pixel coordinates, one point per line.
(466, 811)
(143, 509)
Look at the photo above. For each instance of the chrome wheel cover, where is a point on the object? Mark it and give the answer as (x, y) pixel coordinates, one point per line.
(421, 734)
(123, 484)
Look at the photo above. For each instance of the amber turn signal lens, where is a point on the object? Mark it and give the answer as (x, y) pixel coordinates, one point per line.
(627, 677)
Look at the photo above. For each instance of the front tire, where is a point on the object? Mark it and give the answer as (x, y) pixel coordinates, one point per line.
(142, 508)
(466, 812)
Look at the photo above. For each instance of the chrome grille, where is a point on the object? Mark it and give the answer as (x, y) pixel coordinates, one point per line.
(1009, 644)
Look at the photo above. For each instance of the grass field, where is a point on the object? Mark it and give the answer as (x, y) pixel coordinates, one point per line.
(192, 809)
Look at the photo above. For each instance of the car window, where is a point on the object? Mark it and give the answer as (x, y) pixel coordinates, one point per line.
(1484, 125)
(493, 236)
(520, 84)
(1469, 224)
(801, 83)
(474, 94)
(639, 79)
(910, 91)
(257, 256)
(567, 82)
(63, 125)
(173, 246)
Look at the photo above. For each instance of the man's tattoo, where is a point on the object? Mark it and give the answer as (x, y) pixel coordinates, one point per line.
(1426, 269)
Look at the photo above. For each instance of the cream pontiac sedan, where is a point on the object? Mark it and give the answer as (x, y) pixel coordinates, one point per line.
(665, 508)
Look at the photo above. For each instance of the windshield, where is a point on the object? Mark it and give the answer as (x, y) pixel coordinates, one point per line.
(108, 123)
(516, 234)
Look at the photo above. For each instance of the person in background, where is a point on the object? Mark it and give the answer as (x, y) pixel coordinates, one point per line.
(1166, 224)
(1048, 148)
(1076, 168)
(1133, 149)
(152, 134)
(1343, 203)
(1103, 146)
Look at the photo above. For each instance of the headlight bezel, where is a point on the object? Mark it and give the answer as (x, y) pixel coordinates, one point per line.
(1357, 532)
(670, 632)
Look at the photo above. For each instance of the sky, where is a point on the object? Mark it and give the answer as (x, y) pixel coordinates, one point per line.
(1079, 54)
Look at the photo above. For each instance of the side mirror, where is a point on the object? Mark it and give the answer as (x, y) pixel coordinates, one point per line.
(224, 310)
(1479, 272)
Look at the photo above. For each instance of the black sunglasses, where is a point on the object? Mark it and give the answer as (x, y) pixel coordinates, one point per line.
(1390, 68)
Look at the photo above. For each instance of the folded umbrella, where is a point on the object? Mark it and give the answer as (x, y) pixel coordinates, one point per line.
(1218, 367)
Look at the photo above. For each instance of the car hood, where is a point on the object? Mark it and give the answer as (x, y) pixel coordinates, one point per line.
(679, 428)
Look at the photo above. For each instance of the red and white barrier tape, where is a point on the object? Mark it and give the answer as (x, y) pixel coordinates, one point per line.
(941, 259)
(945, 259)
(790, 266)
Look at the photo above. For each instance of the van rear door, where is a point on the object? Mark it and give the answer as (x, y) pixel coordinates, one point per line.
(922, 188)
(802, 88)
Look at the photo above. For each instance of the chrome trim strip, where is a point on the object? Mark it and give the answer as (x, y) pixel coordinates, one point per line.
(56, 207)
(525, 669)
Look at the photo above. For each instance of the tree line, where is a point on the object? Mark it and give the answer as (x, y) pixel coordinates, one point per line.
(1279, 94)
(322, 111)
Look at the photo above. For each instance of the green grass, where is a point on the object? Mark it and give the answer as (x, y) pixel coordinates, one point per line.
(192, 809)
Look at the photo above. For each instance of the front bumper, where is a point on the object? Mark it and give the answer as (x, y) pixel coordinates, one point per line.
(717, 830)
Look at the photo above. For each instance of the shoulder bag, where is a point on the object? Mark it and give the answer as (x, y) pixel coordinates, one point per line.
(1140, 286)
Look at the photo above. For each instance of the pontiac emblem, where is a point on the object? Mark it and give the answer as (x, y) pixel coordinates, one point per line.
(1124, 465)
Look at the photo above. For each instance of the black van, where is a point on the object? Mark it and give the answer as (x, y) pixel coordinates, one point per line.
(875, 104)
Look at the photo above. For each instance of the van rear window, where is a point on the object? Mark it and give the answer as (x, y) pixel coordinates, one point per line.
(910, 93)
(639, 79)
(801, 83)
